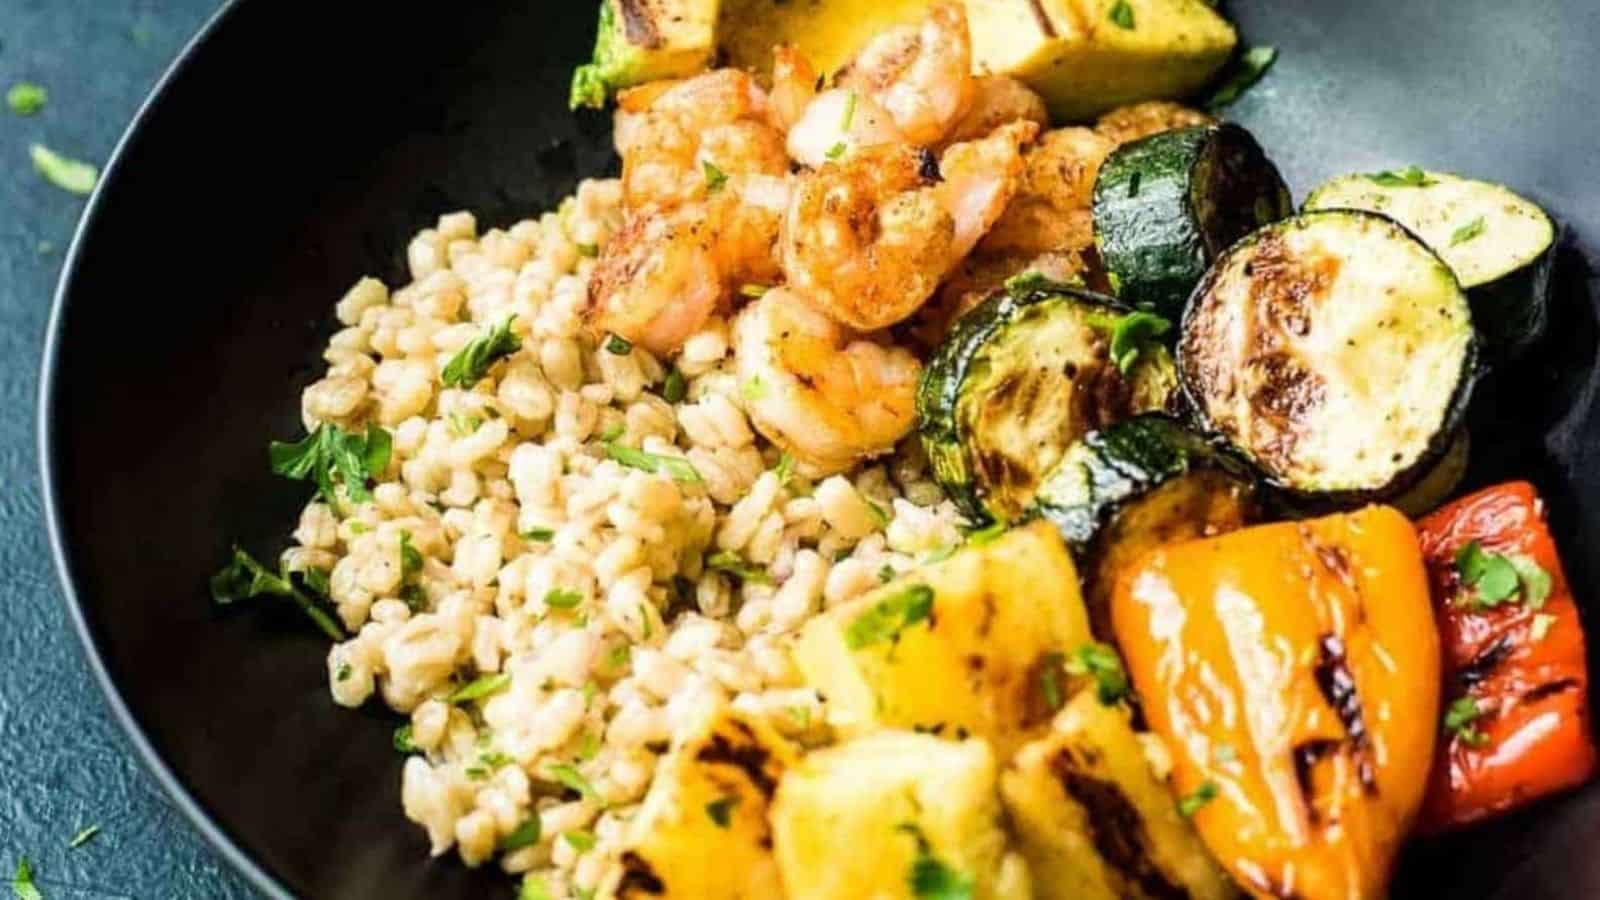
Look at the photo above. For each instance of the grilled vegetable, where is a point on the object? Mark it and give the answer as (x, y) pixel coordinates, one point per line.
(1093, 820)
(1500, 245)
(709, 801)
(827, 32)
(1516, 682)
(1335, 351)
(1134, 486)
(644, 40)
(890, 816)
(1167, 205)
(1280, 664)
(957, 648)
(1020, 378)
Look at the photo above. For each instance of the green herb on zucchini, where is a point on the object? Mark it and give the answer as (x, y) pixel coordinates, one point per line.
(1467, 232)
(1410, 176)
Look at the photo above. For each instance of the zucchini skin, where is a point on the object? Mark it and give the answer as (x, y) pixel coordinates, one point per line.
(1513, 311)
(951, 451)
(1287, 494)
(1166, 206)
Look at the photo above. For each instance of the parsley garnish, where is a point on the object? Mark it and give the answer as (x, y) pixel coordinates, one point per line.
(1050, 668)
(1122, 15)
(538, 535)
(1495, 578)
(1224, 753)
(1101, 662)
(410, 559)
(581, 841)
(785, 468)
(1191, 803)
(26, 98)
(588, 250)
(849, 112)
(83, 837)
(328, 452)
(731, 563)
(886, 574)
(402, 739)
(617, 345)
(754, 291)
(986, 535)
(754, 389)
(836, 151)
(1131, 334)
(1468, 231)
(525, 835)
(886, 619)
(562, 598)
(569, 777)
(245, 579)
(721, 810)
(930, 878)
(678, 468)
(343, 672)
(715, 177)
(472, 362)
(70, 175)
(1410, 176)
(480, 687)
(22, 887)
(879, 513)
(1458, 719)
(674, 388)
(1027, 283)
(1246, 71)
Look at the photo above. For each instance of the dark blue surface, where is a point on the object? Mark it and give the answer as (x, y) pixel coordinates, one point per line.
(64, 764)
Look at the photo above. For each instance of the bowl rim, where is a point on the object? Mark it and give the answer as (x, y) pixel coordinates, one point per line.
(82, 621)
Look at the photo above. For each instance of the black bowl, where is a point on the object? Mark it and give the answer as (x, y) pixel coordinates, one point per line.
(297, 145)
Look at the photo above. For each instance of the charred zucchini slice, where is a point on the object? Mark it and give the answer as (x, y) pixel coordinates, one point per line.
(1501, 246)
(1167, 205)
(1335, 351)
(1023, 376)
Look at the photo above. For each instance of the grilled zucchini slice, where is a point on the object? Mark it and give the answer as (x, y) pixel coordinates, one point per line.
(857, 821)
(1019, 379)
(1335, 351)
(1093, 820)
(1501, 246)
(1167, 205)
(645, 40)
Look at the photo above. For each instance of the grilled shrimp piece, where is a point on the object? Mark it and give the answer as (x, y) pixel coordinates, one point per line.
(836, 124)
(668, 133)
(794, 85)
(1130, 123)
(1052, 208)
(921, 74)
(998, 100)
(813, 388)
(868, 240)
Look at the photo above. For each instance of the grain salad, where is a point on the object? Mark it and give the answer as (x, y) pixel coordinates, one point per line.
(569, 559)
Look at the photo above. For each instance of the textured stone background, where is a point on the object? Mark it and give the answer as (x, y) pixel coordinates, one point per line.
(64, 764)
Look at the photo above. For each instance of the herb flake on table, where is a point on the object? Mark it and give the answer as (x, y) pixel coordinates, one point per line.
(26, 98)
(83, 837)
(472, 362)
(70, 175)
(1242, 75)
(22, 886)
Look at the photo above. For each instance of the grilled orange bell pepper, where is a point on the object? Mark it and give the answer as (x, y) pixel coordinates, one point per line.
(1292, 670)
(1516, 685)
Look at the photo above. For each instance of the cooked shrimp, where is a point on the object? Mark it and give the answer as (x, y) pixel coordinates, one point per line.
(921, 74)
(1051, 209)
(869, 239)
(1130, 123)
(794, 85)
(814, 389)
(998, 100)
(746, 216)
(674, 138)
(836, 124)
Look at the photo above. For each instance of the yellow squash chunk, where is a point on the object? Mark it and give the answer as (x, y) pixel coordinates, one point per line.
(857, 821)
(1077, 55)
(1093, 820)
(1292, 670)
(955, 648)
(702, 832)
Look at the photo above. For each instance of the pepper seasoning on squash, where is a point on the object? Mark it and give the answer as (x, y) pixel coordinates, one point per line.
(1516, 722)
(1281, 665)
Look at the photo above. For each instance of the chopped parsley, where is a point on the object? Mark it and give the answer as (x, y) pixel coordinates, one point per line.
(562, 598)
(930, 878)
(849, 112)
(1458, 719)
(1244, 73)
(1191, 803)
(754, 291)
(538, 535)
(70, 175)
(480, 687)
(243, 578)
(1132, 334)
(942, 554)
(885, 620)
(590, 748)
(1224, 753)
(1022, 286)
(316, 580)
(588, 251)
(463, 425)
(343, 672)
(581, 841)
(721, 810)
(886, 574)
(731, 563)
(1410, 176)
(525, 835)
(801, 716)
(22, 886)
(1497, 578)
(83, 837)
(878, 513)
(1122, 15)
(620, 656)
(1467, 232)
(26, 98)
(472, 362)
(410, 559)
(403, 741)
(330, 454)
(715, 177)
(836, 151)
(1050, 669)
(674, 387)
(986, 535)
(569, 777)
(533, 887)
(676, 467)
(617, 345)
(754, 389)
(1102, 663)
(785, 469)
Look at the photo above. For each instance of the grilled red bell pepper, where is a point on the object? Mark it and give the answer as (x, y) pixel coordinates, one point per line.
(1515, 703)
